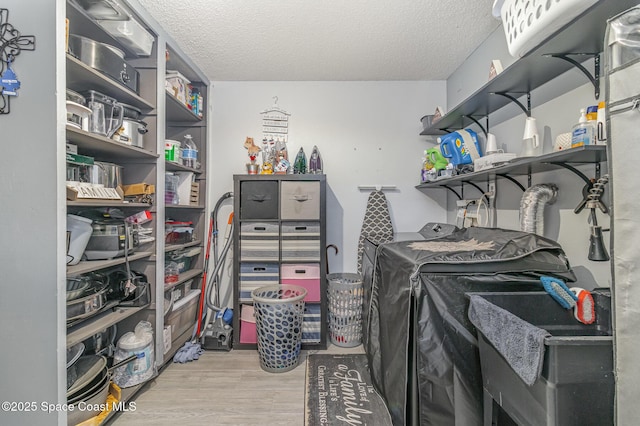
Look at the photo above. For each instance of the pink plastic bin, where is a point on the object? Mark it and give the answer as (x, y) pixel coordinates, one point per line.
(248, 332)
(304, 275)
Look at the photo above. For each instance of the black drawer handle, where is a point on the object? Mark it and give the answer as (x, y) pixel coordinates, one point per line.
(301, 271)
(259, 228)
(301, 228)
(257, 269)
(259, 197)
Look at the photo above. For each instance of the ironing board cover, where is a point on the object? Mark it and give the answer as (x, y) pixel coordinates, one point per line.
(376, 225)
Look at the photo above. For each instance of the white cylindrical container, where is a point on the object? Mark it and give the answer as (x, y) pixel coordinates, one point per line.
(139, 343)
(79, 231)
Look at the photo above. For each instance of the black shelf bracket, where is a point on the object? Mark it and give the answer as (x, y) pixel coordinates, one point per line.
(479, 190)
(453, 190)
(472, 118)
(513, 180)
(593, 78)
(578, 172)
(527, 109)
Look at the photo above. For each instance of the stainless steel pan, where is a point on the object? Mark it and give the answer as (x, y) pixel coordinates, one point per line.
(92, 386)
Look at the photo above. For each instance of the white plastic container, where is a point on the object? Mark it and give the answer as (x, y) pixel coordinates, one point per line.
(140, 343)
(130, 33)
(528, 23)
(177, 85)
(79, 231)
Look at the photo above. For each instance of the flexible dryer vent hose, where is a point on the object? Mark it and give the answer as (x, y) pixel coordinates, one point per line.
(532, 207)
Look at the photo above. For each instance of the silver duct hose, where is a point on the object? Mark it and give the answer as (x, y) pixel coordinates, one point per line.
(532, 206)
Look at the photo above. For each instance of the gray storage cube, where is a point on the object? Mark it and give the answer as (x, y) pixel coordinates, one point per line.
(259, 200)
(300, 241)
(300, 200)
(259, 242)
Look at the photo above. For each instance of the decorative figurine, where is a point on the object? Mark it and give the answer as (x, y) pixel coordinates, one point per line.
(315, 161)
(300, 163)
(283, 166)
(252, 151)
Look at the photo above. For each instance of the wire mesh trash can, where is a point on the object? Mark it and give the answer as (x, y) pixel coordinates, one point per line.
(279, 312)
(345, 297)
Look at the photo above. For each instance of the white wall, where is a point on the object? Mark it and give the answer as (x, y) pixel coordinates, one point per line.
(367, 133)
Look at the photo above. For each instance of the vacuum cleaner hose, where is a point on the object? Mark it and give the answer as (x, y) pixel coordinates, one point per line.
(532, 206)
(214, 275)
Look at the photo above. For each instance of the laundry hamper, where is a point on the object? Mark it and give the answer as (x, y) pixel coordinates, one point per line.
(279, 312)
(528, 23)
(345, 296)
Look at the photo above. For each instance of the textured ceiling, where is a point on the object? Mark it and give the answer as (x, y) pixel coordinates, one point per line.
(332, 40)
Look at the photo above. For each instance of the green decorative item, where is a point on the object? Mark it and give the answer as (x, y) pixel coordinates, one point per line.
(300, 163)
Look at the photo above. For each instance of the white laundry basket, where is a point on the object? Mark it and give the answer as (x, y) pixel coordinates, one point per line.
(345, 297)
(527, 23)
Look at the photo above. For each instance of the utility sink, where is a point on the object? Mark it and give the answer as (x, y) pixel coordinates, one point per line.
(576, 386)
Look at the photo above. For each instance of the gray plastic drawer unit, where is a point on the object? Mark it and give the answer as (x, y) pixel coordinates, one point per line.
(300, 200)
(259, 200)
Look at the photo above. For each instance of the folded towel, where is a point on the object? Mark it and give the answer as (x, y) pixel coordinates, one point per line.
(519, 342)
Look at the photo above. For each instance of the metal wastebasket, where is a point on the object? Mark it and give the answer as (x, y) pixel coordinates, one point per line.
(345, 297)
(279, 312)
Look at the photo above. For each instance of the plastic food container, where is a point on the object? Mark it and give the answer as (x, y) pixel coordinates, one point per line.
(131, 34)
(178, 232)
(172, 150)
(177, 85)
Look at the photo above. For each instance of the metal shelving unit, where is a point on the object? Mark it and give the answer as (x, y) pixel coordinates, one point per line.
(95, 265)
(580, 40)
(97, 145)
(592, 154)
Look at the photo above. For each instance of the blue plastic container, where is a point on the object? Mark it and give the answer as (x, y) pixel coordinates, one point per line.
(453, 148)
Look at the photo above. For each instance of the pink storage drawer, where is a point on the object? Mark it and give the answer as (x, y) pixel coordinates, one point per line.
(248, 333)
(304, 275)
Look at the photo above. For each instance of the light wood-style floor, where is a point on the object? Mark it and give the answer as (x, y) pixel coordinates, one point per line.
(223, 388)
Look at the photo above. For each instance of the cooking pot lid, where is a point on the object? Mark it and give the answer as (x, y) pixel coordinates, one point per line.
(88, 368)
(73, 353)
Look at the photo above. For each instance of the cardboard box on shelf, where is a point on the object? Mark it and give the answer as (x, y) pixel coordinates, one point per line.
(139, 189)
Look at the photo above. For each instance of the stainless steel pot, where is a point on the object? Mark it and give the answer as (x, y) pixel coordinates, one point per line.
(86, 306)
(105, 58)
(131, 132)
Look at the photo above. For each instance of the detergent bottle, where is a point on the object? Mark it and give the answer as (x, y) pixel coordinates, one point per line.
(461, 147)
(435, 157)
